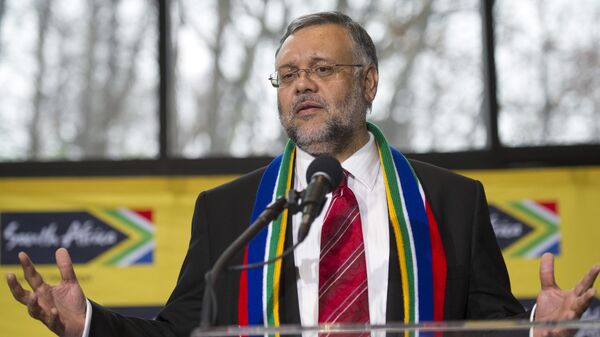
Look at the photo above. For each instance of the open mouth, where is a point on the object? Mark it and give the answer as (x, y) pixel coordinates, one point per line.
(307, 107)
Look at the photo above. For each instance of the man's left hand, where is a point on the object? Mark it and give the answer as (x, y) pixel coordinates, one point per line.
(555, 304)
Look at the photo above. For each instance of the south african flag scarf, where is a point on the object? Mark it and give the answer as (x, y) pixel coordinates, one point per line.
(417, 239)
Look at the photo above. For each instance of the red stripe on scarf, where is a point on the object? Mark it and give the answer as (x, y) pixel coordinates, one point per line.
(438, 263)
(243, 295)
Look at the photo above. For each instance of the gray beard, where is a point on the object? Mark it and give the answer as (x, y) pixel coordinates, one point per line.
(338, 131)
(333, 138)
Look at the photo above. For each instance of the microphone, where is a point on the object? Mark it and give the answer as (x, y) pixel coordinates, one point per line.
(323, 175)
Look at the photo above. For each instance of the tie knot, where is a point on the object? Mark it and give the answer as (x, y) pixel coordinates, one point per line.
(343, 184)
(344, 181)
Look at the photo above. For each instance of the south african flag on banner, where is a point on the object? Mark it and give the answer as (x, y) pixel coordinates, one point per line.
(526, 228)
(139, 246)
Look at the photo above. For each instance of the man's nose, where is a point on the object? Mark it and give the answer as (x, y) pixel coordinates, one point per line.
(305, 82)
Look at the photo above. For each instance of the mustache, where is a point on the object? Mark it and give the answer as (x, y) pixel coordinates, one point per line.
(310, 98)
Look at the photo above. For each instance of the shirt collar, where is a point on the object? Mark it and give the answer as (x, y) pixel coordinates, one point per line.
(363, 165)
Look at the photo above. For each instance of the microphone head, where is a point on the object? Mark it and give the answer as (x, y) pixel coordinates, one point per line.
(328, 167)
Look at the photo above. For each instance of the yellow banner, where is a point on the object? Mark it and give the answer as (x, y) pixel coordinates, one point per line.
(132, 233)
(107, 277)
(574, 193)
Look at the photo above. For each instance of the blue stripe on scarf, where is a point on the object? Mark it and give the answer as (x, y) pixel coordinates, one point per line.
(256, 247)
(420, 230)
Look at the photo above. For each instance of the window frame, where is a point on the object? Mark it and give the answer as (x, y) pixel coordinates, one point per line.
(493, 156)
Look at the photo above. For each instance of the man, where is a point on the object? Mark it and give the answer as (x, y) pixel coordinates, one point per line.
(425, 247)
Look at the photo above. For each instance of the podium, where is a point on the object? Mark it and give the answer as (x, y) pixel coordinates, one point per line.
(490, 328)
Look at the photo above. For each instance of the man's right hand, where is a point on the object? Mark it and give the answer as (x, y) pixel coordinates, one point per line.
(61, 307)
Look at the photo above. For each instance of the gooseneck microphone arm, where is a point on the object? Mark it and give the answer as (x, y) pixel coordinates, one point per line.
(209, 302)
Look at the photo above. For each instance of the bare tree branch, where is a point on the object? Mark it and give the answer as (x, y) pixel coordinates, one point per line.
(400, 133)
(213, 104)
(85, 138)
(109, 90)
(59, 92)
(2, 13)
(35, 131)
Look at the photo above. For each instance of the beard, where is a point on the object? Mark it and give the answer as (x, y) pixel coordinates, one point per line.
(343, 120)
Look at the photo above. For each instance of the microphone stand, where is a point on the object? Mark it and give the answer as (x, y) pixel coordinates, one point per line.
(269, 214)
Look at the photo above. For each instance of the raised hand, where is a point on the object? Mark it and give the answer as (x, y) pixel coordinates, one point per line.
(61, 307)
(555, 304)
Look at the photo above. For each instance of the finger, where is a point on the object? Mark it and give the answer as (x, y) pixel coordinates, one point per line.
(34, 278)
(34, 308)
(582, 303)
(17, 291)
(65, 265)
(547, 271)
(588, 280)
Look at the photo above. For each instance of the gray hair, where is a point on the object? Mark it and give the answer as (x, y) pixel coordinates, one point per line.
(364, 48)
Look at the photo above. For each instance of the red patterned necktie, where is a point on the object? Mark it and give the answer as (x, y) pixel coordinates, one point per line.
(343, 294)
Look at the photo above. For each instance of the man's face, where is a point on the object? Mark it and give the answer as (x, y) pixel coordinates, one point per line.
(322, 116)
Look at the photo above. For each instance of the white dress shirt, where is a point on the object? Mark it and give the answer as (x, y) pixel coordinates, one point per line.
(366, 181)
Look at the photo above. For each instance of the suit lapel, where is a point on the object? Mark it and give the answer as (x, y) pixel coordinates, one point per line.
(288, 296)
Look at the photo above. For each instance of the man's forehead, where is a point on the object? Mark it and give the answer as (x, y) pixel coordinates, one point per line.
(315, 59)
(314, 43)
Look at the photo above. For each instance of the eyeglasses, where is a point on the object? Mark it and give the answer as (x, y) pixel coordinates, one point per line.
(286, 77)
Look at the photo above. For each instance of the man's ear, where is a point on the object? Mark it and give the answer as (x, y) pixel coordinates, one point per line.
(370, 81)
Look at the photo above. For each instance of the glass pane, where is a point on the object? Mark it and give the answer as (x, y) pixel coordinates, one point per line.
(79, 80)
(430, 90)
(488, 328)
(548, 61)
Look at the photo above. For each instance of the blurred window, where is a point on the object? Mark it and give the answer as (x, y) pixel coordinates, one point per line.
(431, 77)
(548, 69)
(79, 80)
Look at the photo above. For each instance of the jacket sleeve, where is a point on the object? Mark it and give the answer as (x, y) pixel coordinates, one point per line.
(490, 295)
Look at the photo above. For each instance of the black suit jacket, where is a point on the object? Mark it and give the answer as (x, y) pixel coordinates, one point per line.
(477, 285)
